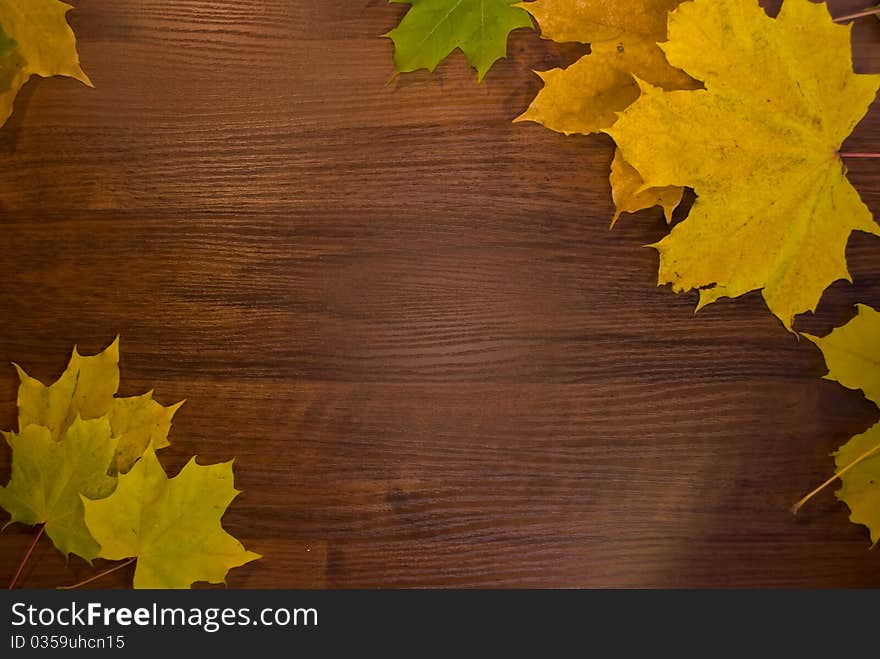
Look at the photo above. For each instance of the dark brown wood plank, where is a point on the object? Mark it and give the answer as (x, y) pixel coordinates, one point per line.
(405, 316)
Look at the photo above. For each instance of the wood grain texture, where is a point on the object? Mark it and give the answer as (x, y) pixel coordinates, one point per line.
(406, 317)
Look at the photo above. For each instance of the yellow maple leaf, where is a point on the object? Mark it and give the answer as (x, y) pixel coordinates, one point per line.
(172, 526)
(631, 195)
(852, 354)
(35, 39)
(87, 389)
(858, 464)
(48, 477)
(137, 422)
(587, 96)
(774, 209)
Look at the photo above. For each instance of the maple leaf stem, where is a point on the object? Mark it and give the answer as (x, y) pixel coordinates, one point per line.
(27, 556)
(851, 154)
(99, 575)
(866, 12)
(837, 474)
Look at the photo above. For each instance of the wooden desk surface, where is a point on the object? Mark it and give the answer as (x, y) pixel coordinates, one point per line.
(405, 316)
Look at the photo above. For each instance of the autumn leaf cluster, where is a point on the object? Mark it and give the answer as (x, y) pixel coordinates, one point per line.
(84, 466)
(750, 112)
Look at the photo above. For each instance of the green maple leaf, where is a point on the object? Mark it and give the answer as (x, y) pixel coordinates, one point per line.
(48, 477)
(87, 389)
(432, 29)
(172, 526)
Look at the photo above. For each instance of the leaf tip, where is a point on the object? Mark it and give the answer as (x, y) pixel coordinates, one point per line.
(83, 77)
(22, 375)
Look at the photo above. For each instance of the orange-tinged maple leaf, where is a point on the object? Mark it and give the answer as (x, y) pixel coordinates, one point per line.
(587, 96)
